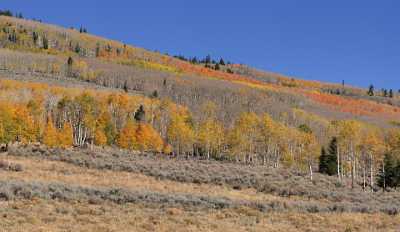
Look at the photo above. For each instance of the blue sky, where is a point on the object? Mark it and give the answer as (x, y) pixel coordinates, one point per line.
(355, 40)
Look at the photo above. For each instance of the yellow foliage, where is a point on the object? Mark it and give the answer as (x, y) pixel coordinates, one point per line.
(210, 135)
(243, 137)
(100, 138)
(50, 135)
(180, 133)
(65, 136)
(25, 125)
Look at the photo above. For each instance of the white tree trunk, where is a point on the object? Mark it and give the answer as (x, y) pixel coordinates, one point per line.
(371, 172)
(338, 164)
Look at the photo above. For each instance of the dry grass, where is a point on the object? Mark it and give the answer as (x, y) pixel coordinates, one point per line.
(323, 194)
(43, 215)
(55, 171)
(188, 210)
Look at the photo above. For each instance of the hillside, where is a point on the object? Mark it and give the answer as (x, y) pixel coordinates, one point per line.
(100, 135)
(113, 64)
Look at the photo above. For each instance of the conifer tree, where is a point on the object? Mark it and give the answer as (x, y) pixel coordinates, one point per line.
(389, 173)
(371, 90)
(328, 160)
(207, 59)
(140, 114)
(154, 94)
(384, 92)
(45, 43)
(125, 87)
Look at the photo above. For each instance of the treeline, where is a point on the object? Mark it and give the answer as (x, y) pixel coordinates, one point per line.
(11, 14)
(208, 62)
(383, 93)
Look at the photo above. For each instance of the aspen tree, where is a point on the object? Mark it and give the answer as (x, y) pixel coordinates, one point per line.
(180, 133)
(127, 137)
(50, 135)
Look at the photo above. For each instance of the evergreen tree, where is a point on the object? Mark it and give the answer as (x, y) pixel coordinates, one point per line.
(77, 48)
(217, 67)
(70, 62)
(35, 37)
(305, 128)
(389, 173)
(6, 13)
(140, 114)
(125, 87)
(221, 62)
(12, 37)
(323, 161)
(208, 59)
(327, 164)
(154, 94)
(45, 43)
(194, 60)
(328, 160)
(391, 93)
(371, 90)
(384, 92)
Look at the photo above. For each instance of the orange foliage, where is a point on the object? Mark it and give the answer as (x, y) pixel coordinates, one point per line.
(141, 137)
(148, 139)
(127, 136)
(354, 106)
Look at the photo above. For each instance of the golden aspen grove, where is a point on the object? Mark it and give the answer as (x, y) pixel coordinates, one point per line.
(98, 135)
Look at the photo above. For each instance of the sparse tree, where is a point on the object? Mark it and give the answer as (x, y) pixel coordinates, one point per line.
(371, 90)
(391, 95)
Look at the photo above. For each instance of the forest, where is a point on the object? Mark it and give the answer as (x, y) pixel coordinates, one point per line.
(66, 117)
